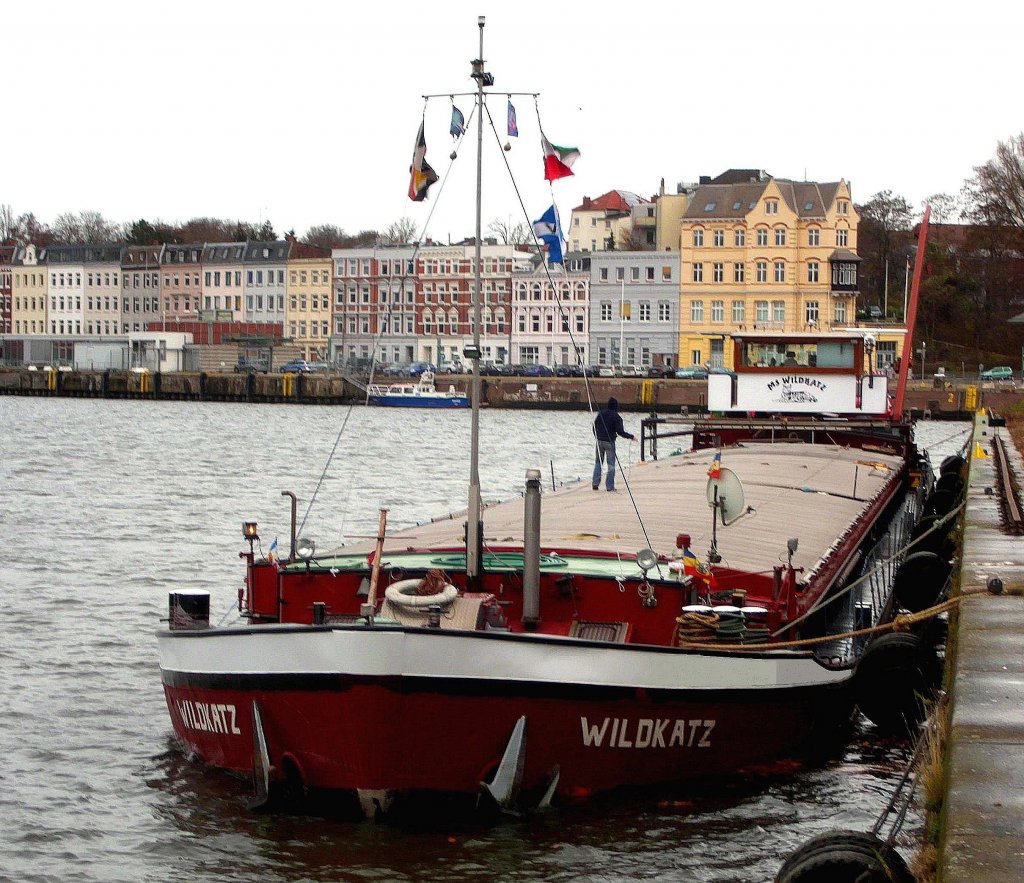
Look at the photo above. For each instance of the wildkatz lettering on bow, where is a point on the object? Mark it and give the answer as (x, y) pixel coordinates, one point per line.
(620, 732)
(209, 717)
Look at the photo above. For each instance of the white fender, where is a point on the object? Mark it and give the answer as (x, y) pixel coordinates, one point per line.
(403, 594)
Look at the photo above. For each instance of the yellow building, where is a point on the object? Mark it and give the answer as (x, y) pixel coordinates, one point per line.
(765, 254)
(28, 292)
(308, 299)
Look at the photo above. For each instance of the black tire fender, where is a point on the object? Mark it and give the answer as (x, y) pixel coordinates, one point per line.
(890, 681)
(920, 579)
(844, 857)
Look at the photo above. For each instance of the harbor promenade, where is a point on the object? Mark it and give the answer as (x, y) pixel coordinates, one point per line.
(664, 395)
(982, 839)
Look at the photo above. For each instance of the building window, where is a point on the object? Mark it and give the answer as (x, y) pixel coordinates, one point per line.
(604, 271)
(644, 308)
(696, 311)
(842, 236)
(738, 312)
(762, 236)
(814, 237)
(762, 271)
(606, 311)
(698, 272)
(811, 312)
(780, 271)
(634, 274)
(718, 311)
(840, 311)
(812, 271)
(738, 272)
(718, 271)
(698, 237)
(740, 236)
(761, 311)
(778, 311)
(780, 235)
(650, 274)
(664, 311)
(771, 206)
(719, 238)
(843, 207)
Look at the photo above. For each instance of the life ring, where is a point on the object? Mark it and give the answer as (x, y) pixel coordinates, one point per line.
(403, 594)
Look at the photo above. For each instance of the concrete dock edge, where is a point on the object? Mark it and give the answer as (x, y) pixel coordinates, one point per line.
(983, 810)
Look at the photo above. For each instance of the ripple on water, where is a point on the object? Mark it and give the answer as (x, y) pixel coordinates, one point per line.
(95, 788)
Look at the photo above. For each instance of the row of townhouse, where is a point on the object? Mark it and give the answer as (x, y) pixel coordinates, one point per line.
(665, 281)
(104, 290)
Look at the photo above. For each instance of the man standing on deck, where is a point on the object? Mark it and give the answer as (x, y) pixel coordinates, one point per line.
(607, 425)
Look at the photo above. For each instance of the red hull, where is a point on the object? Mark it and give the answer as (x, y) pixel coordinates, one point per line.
(405, 735)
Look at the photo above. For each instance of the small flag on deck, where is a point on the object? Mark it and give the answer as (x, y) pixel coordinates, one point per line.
(557, 160)
(458, 127)
(716, 466)
(421, 174)
(513, 129)
(693, 566)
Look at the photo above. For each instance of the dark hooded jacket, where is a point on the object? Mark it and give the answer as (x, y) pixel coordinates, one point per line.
(608, 423)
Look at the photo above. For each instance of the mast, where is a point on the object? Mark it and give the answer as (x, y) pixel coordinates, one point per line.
(473, 525)
(908, 341)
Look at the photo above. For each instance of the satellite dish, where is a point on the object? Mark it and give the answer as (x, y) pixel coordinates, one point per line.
(730, 499)
(646, 559)
(304, 548)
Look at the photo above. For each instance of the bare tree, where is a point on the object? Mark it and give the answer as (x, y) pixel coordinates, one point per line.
(325, 236)
(401, 232)
(8, 225)
(28, 228)
(945, 208)
(87, 226)
(509, 233)
(996, 192)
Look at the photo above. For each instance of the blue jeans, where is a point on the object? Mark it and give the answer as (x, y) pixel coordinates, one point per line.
(605, 451)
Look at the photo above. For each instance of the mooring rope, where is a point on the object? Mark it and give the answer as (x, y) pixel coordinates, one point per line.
(901, 623)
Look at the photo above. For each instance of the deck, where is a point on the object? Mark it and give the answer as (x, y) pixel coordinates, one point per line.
(811, 492)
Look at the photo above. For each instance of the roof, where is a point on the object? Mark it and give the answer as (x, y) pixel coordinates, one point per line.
(223, 252)
(258, 251)
(106, 253)
(301, 250)
(732, 201)
(612, 201)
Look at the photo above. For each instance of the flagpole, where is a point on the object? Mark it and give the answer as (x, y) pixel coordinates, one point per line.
(622, 311)
(906, 285)
(473, 527)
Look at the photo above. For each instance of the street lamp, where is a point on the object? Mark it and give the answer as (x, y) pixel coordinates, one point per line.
(923, 351)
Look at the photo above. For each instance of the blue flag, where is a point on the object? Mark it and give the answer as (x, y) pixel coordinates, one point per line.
(548, 229)
(458, 126)
(513, 129)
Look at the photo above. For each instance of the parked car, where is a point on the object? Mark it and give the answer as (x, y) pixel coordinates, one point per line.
(692, 372)
(537, 370)
(1003, 372)
(417, 368)
(605, 371)
(296, 366)
(251, 364)
(455, 368)
(728, 371)
(874, 312)
(660, 371)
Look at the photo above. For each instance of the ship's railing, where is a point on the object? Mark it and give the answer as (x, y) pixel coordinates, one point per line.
(866, 605)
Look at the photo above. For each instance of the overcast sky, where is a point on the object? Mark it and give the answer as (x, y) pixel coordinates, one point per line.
(306, 113)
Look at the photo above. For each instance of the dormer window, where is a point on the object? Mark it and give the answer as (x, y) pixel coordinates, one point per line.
(842, 207)
(771, 206)
(710, 207)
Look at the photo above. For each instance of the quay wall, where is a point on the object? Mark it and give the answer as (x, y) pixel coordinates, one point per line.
(668, 396)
